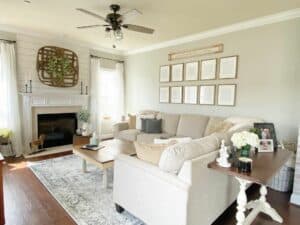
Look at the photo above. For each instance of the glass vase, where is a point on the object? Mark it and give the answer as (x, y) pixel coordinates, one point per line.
(245, 151)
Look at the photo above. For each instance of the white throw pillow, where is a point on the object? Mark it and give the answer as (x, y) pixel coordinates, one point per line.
(174, 156)
(168, 140)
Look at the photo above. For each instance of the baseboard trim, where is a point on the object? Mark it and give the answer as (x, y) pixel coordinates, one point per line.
(295, 199)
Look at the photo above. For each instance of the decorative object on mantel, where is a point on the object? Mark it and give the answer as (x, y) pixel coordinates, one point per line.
(57, 67)
(196, 52)
(243, 141)
(28, 88)
(81, 88)
(84, 116)
(223, 159)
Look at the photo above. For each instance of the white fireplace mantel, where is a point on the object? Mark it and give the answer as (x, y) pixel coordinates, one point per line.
(31, 101)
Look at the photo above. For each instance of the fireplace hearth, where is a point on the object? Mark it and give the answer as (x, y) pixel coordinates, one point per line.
(58, 128)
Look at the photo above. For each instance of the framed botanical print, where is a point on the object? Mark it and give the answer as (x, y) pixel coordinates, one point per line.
(190, 94)
(208, 69)
(177, 72)
(176, 94)
(226, 94)
(164, 74)
(191, 71)
(164, 94)
(228, 67)
(207, 94)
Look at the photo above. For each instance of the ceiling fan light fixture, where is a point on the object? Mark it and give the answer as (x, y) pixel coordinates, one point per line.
(118, 34)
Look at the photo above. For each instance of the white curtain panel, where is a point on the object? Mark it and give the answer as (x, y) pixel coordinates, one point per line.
(9, 102)
(120, 93)
(107, 95)
(95, 105)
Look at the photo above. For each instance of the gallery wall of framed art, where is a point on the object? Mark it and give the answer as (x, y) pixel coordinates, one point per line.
(210, 81)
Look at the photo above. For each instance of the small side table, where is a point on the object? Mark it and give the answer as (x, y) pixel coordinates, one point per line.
(265, 165)
(81, 140)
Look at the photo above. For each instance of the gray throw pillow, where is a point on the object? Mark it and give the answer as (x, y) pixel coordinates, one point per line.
(153, 126)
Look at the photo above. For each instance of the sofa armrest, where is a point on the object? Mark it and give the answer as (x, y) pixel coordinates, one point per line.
(149, 193)
(117, 127)
(152, 170)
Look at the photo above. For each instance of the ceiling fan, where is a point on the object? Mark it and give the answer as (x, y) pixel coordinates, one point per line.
(116, 21)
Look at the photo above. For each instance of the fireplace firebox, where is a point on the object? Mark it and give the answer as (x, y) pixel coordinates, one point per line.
(58, 128)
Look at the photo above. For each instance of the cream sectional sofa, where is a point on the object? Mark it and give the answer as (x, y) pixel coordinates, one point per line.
(194, 195)
(173, 125)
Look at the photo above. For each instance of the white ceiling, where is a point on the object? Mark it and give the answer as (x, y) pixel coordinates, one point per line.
(171, 19)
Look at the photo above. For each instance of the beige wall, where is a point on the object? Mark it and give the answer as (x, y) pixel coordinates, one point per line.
(268, 79)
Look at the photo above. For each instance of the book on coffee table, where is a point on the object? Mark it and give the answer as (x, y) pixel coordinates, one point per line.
(92, 147)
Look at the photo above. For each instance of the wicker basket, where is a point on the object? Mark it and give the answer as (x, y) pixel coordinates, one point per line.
(283, 180)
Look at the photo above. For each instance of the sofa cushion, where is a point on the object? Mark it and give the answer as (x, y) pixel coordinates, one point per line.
(192, 126)
(213, 122)
(174, 156)
(128, 135)
(150, 152)
(139, 118)
(149, 138)
(169, 122)
(132, 121)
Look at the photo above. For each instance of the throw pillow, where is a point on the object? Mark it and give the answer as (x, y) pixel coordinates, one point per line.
(173, 157)
(132, 121)
(152, 126)
(222, 127)
(144, 124)
(150, 152)
(139, 118)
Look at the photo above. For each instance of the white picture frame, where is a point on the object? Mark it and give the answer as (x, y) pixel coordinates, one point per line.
(177, 72)
(228, 67)
(164, 73)
(226, 94)
(164, 94)
(207, 94)
(208, 69)
(190, 94)
(176, 94)
(191, 71)
(266, 145)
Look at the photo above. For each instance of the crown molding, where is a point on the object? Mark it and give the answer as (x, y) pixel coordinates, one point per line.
(261, 21)
(57, 37)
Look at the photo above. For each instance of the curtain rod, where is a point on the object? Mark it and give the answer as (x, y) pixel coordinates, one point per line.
(94, 56)
(9, 41)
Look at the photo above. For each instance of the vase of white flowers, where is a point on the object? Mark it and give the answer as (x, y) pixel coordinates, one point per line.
(84, 116)
(243, 141)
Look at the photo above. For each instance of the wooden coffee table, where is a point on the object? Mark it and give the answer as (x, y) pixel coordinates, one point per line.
(104, 158)
(265, 166)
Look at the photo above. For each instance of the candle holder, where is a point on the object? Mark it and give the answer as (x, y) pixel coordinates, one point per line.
(26, 88)
(30, 86)
(81, 88)
(86, 90)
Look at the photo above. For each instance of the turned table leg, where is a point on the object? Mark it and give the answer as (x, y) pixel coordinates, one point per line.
(84, 166)
(104, 179)
(241, 202)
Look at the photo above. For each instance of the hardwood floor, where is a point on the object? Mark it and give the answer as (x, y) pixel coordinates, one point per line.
(27, 201)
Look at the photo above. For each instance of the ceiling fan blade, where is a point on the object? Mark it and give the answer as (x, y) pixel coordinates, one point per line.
(91, 26)
(130, 15)
(138, 28)
(91, 13)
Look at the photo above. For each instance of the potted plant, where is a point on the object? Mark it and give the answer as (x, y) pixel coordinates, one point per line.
(84, 117)
(243, 141)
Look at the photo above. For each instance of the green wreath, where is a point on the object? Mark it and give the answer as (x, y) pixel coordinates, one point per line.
(58, 67)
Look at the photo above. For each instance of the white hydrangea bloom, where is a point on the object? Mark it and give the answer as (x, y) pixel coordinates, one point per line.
(244, 138)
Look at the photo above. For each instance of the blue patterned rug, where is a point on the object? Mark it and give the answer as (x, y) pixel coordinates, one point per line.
(81, 194)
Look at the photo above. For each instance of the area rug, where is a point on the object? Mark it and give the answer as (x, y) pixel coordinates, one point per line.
(81, 194)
